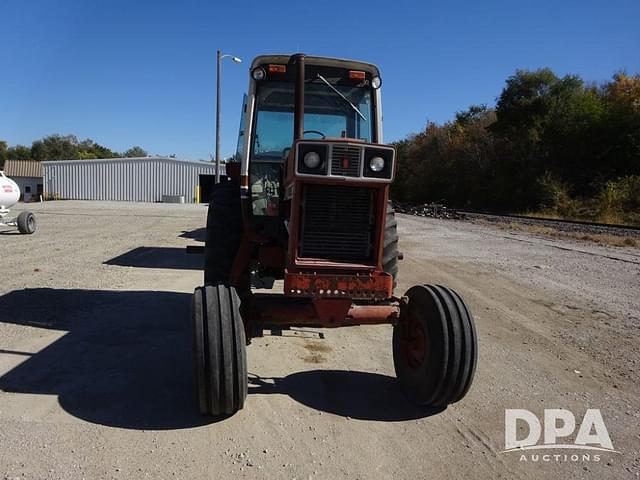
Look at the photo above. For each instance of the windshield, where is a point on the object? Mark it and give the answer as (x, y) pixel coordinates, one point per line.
(327, 114)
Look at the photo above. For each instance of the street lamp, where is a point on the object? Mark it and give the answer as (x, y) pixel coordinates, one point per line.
(220, 56)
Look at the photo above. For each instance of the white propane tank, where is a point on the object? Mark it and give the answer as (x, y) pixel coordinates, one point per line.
(9, 192)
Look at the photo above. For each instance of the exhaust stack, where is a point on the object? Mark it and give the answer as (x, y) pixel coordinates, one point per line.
(298, 112)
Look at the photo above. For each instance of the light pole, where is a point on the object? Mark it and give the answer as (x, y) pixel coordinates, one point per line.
(220, 56)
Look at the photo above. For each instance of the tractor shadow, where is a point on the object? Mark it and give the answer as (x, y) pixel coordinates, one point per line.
(124, 361)
(158, 257)
(198, 234)
(358, 395)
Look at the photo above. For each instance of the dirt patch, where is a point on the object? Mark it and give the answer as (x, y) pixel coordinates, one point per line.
(314, 359)
(318, 348)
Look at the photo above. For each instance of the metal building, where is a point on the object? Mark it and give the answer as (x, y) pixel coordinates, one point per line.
(149, 179)
(28, 175)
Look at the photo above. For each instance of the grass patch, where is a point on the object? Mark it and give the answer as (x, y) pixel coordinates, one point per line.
(617, 202)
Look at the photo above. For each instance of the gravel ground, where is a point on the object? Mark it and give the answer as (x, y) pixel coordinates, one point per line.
(95, 363)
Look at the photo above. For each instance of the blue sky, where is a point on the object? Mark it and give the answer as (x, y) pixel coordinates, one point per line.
(143, 72)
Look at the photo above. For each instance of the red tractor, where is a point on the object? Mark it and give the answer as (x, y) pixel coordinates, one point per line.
(307, 202)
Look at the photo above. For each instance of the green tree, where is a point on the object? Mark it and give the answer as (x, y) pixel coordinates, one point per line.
(19, 152)
(100, 151)
(3, 152)
(621, 126)
(135, 152)
(449, 163)
(546, 125)
(574, 139)
(68, 147)
(523, 105)
(56, 147)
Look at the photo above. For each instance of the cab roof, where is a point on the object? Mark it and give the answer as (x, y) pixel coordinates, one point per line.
(313, 60)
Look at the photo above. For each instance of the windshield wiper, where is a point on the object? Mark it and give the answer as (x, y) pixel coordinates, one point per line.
(355, 109)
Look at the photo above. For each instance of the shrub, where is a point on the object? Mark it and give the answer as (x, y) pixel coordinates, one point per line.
(553, 196)
(619, 199)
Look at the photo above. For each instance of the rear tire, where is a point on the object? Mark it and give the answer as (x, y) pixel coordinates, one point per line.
(390, 254)
(26, 223)
(435, 349)
(224, 232)
(219, 350)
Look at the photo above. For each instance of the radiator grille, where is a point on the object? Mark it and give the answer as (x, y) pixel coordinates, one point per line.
(345, 160)
(337, 223)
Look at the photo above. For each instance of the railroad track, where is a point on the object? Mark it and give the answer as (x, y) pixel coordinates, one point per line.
(564, 225)
(440, 211)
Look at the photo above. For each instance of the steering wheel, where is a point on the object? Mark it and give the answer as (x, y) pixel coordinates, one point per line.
(317, 132)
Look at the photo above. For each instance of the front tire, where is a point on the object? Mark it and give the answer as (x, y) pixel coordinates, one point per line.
(219, 350)
(435, 346)
(26, 223)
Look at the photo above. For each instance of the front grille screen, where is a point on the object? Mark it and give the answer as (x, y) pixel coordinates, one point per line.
(337, 223)
(345, 160)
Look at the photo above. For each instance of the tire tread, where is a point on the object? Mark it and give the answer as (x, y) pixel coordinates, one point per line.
(219, 350)
(447, 374)
(390, 245)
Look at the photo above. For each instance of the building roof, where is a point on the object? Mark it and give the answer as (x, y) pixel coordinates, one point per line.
(132, 159)
(23, 168)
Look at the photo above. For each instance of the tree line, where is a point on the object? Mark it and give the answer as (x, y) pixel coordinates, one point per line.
(63, 147)
(557, 145)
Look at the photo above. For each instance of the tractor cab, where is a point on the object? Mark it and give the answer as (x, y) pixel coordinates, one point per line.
(341, 102)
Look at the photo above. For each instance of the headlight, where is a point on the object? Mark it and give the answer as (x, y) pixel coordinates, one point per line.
(376, 82)
(376, 164)
(312, 160)
(258, 74)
